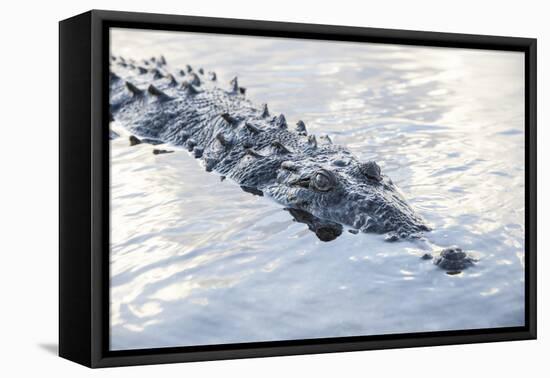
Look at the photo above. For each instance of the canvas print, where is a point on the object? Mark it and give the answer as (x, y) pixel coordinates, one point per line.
(269, 189)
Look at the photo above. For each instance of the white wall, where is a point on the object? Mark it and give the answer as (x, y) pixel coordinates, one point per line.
(28, 200)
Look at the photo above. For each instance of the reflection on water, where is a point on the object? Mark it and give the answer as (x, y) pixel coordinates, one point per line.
(197, 260)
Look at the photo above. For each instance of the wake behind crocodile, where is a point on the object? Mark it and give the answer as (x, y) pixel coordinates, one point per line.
(320, 183)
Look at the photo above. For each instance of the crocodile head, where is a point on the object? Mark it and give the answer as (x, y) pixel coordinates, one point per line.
(348, 192)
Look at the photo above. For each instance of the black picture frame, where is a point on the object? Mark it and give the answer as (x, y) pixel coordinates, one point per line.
(84, 188)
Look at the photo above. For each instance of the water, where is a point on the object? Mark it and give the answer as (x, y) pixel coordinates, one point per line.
(195, 260)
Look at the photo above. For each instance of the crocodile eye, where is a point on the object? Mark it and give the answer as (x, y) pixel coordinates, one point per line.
(323, 181)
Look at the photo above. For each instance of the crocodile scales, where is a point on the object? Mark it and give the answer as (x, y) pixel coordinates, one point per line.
(258, 150)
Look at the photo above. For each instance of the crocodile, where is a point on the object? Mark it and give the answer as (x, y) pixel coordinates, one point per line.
(319, 183)
(259, 151)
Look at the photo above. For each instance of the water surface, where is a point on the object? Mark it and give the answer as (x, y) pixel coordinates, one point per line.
(195, 260)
